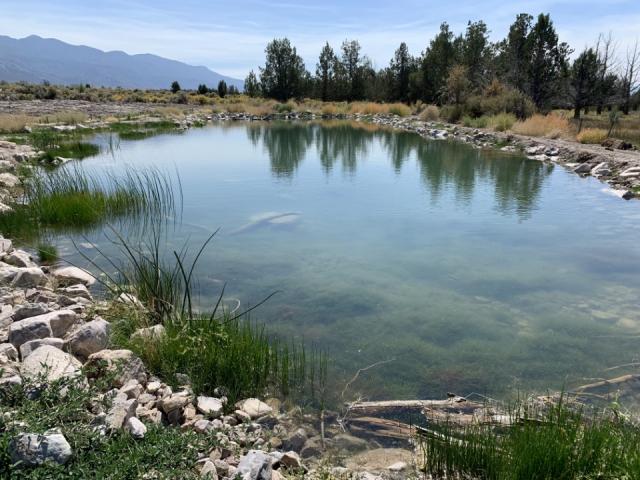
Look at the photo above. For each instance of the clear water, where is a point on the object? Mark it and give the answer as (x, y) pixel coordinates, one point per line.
(469, 271)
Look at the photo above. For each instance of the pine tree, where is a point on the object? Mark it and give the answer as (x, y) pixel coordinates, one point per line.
(401, 68)
(175, 87)
(251, 85)
(222, 88)
(325, 71)
(584, 80)
(284, 74)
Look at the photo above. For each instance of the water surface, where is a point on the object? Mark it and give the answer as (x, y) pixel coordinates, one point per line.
(468, 271)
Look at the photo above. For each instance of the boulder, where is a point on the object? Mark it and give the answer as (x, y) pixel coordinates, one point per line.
(5, 245)
(255, 465)
(210, 406)
(19, 258)
(28, 347)
(583, 168)
(60, 321)
(78, 290)
(29, 310)
(29, 329)
(89, 338)
(73, 275)
(254, 408)
(123, 363)
(33, 449)
(29, 277)
(136, 428)
(291, 460)
(122, 409)
(8, 180)
(9, 351)
(51, 362)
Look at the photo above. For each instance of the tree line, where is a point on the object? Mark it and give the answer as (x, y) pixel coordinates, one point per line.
(530, 68)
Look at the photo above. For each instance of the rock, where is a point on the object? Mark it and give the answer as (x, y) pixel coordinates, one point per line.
(583, 168)
(19, 258)
(172, 407)
(311, 448)
(149, 333)
(73, 275)
(209, 470)
(132, 389)
(29, 277)
(349, 443)
(120, 412)
(631, 172)
(130, 299)
(255, 465)
(136, 428)
(89, 338)
(28, 347)
(51, 362)
(8, 180)
(210, 406)
(78, 290)
(601, 170)
(152, 415)
(5, 245)
(9, 351)
(616, 144)
(296, 440)
(29, 310)
(202, 426)
(291, 460)
(29, 329)
(124, 363)
(33, 449)
(397, 467)
(254, 408)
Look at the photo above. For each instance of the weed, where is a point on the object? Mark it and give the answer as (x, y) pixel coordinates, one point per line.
(592, 135)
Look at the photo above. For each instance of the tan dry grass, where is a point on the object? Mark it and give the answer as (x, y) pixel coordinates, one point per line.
(592, 135)
(552, 125)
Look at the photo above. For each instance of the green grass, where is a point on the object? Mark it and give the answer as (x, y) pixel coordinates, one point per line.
(70, 199)
(165, 452)
(142, 130)
(47, 253)
(560, 443)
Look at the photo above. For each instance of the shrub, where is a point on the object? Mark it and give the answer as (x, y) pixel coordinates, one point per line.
(285, 107)
(480, 122)
(451, 113)
(551, 125)
(430, 114)
(399, 109)
(501, 122)
(592, 135)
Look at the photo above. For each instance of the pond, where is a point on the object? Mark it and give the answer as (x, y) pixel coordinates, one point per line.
(457, 270)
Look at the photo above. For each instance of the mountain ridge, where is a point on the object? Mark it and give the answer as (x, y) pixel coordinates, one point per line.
(36, 59)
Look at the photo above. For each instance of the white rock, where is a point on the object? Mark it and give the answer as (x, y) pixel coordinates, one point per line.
(136, 428)
(150, 333)
(254, 408)
(78, 290)
(9, 351)
(51, 362)
(89, 338)
(210, 406)
(19, 258)
(28, 347)
(397, 467)
(29, 329)
(124, 363)
(8, 180)
(255, 465)
(29, 310)
(122, 409)
(29, 277)
(33, 449)
(130, 299)
(73, 275)
(60, 321)
(209, 471)
(5, 245)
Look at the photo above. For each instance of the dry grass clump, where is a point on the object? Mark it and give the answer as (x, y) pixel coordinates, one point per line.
(367, 108)
(70, 117)
(10, 123)
(592, 135)
(430, 114)
(550, 126)
(399, 109)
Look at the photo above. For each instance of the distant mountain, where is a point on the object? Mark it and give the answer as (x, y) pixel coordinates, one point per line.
(35, 59)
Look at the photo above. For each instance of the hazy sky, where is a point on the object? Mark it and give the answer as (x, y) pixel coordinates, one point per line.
(230, 36)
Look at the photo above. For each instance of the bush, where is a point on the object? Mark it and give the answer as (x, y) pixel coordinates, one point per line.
(399, 109)
(451, 113)
(430, 114)
(592, 135)
(551, 125)
(501, 122)
(480, 122)
(499, 99)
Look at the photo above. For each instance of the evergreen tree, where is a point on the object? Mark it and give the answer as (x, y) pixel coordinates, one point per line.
(202, 89)
(584, 80)
(325, 71)
(251, 85)
(513, 59)
(352, 64)
(175, 87)
(476, 54)
(222, 89)
(548, 62)
(436, 62)
(284, 74)
(401, 68)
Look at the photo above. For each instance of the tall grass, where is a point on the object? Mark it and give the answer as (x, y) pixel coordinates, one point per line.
(222, 348)
(560, 443)
(71, 199)
(552, 125)
(592, 135)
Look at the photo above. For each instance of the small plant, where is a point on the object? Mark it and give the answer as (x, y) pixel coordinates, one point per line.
(430, 114)
(592, 135)
(47, 253)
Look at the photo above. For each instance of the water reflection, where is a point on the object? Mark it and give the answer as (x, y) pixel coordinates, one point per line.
(516, 181)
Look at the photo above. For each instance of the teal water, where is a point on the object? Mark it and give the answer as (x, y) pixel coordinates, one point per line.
(463, 270)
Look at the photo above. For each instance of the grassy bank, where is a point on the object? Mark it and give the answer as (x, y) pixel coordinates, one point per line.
(560, 442)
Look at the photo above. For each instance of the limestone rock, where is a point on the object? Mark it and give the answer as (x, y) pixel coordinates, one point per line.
(8, 180)
(19, 258)
(209, 471)
(210, 406)
(29, 277)
(33, 449)
(73, 275)
(28, 347)
(29, 329)
(136, 428)
(29, 310)
(254, 408)
(89, 338)
(124, 363)
(9, 351)
(51, 362)
(255, 465)
(120, 412)
(149, 333)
